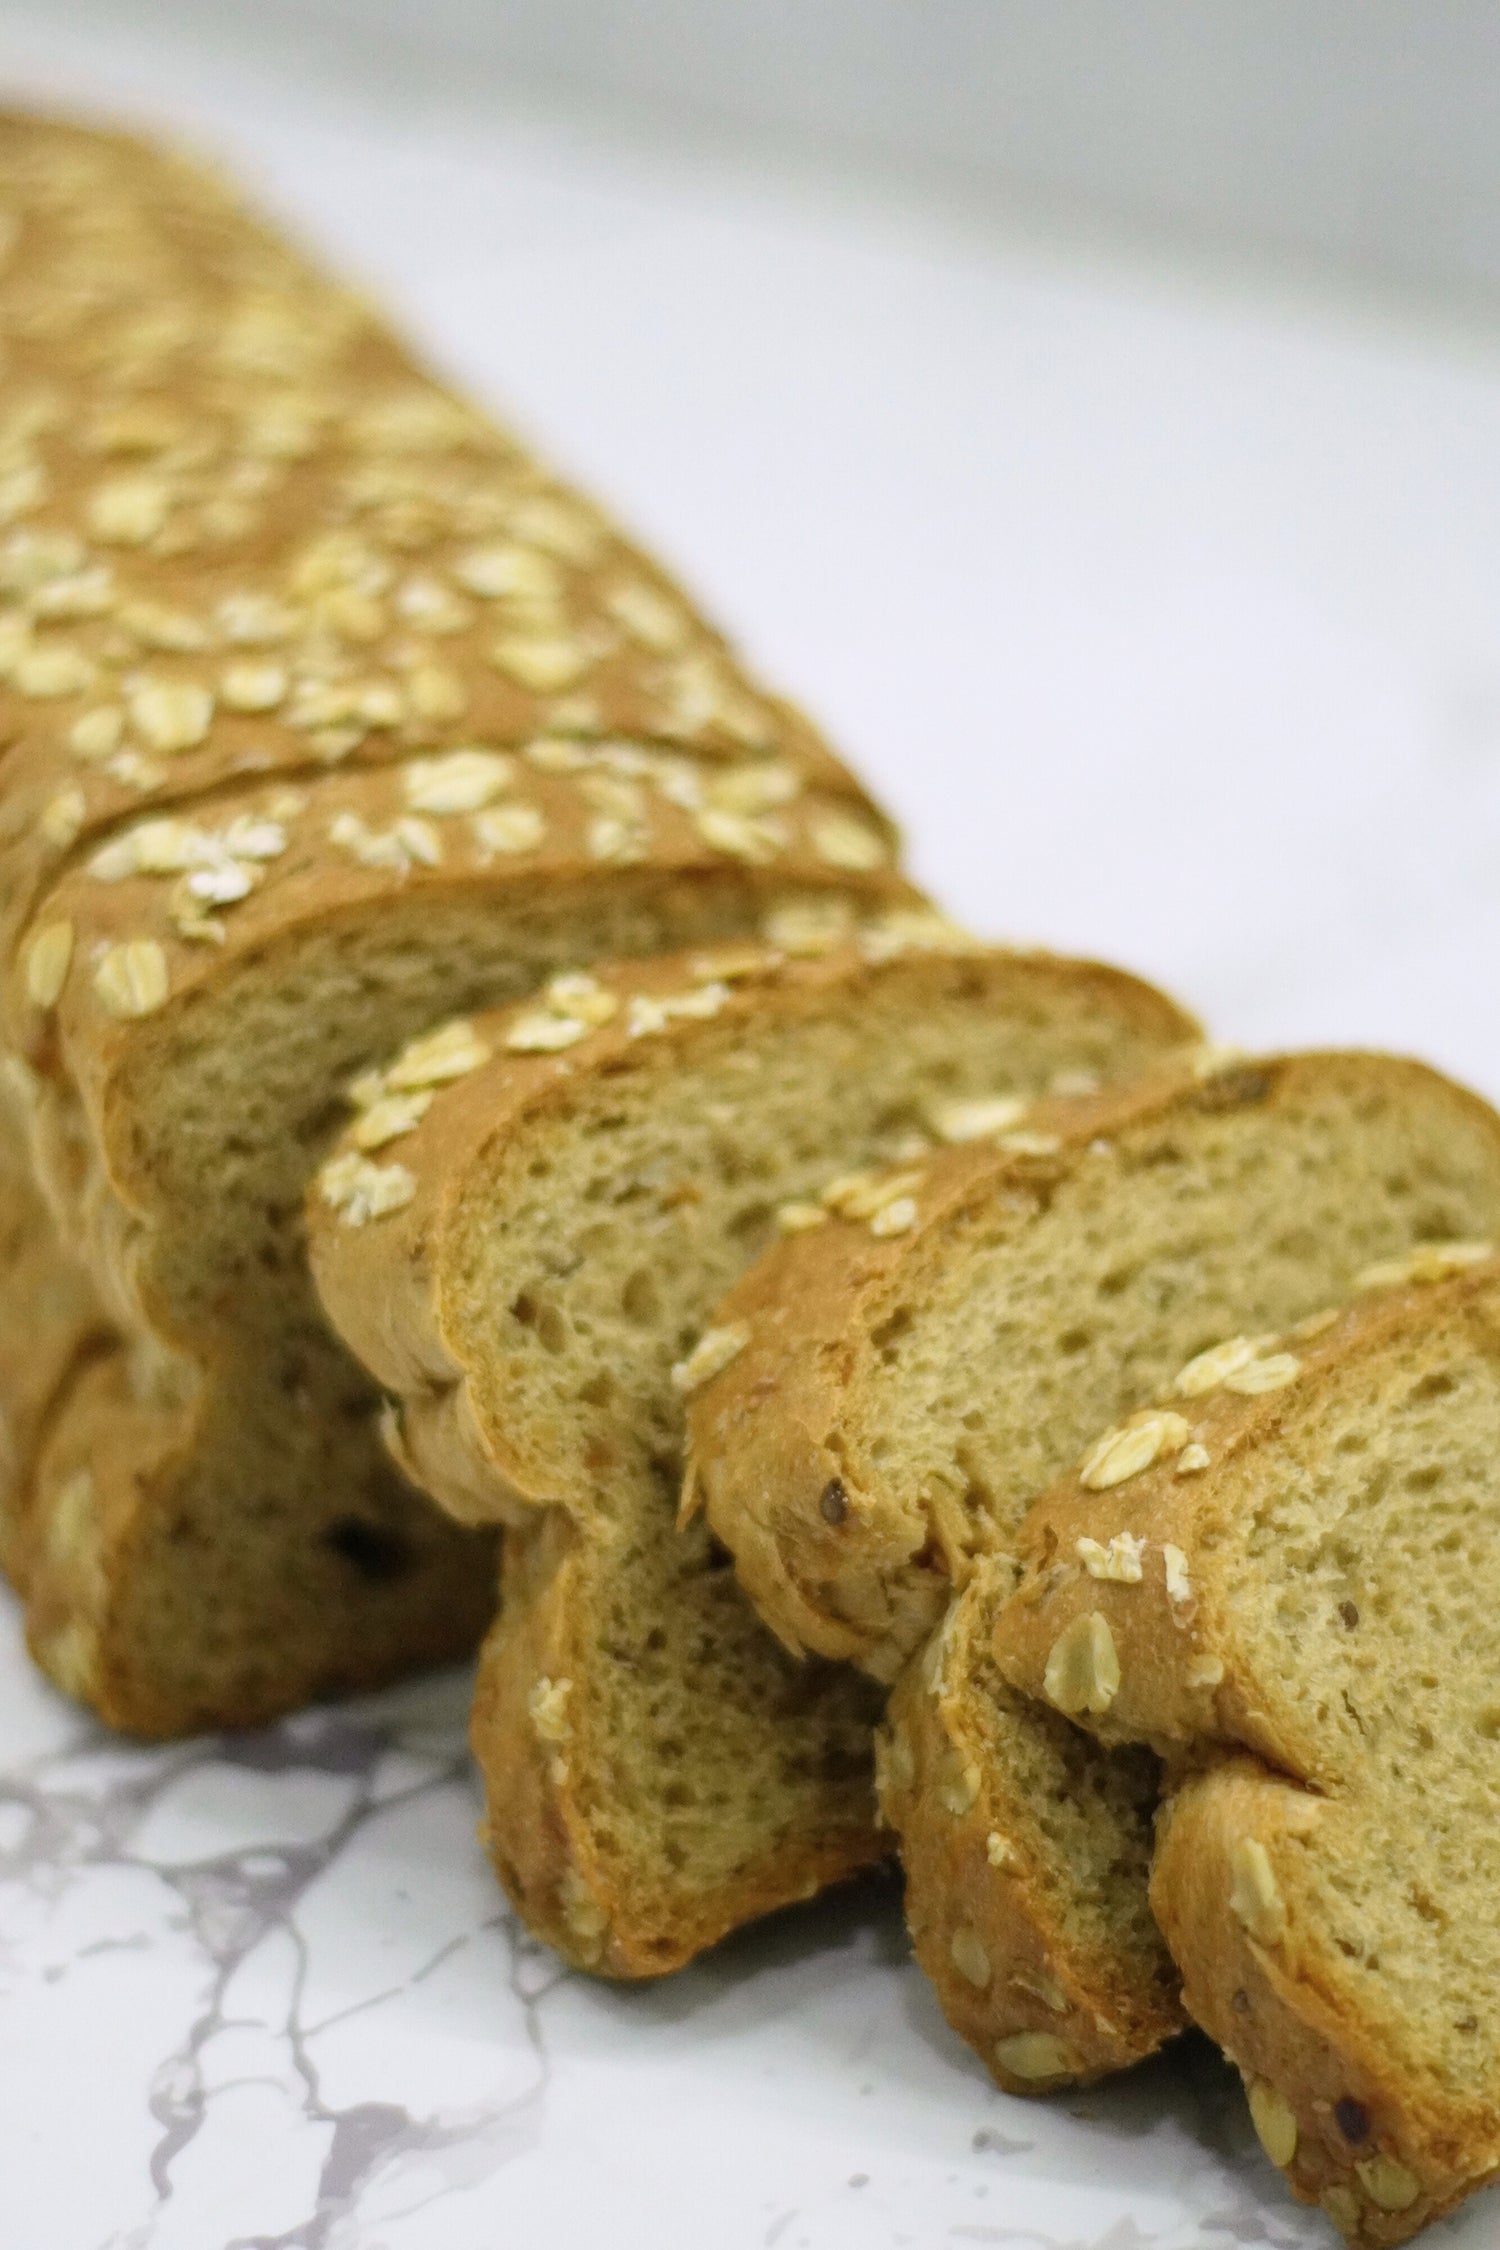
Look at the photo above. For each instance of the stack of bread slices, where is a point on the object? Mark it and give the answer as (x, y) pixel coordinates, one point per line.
(474, 1070)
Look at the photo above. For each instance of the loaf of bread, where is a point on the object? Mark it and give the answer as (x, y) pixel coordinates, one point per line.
(525, 1263)
(326, 713)
(1314, 1631)
(870, 1453)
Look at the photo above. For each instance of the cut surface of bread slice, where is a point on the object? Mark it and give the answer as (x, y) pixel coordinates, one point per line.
(556, 1224)
(1316, 1629)
(898, 1403)
(325, 712)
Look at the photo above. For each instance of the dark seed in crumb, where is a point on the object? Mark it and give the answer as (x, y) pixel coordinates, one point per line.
(834, 1505)
(1349, 1614)
(1352, 2119)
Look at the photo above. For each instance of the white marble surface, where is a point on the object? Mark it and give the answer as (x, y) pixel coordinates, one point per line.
(1167, 610)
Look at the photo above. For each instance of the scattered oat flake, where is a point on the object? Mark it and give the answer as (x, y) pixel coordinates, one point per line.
(540, 1032)
(360, 1191)
(1432, 1262)
(1124, 1453)
(1119, 1561)
(712, 1353)
(976, 1120)
(799, 1218)
(1270, 1374)
(450, 1052)
(896, 1217)
(131, 979)
(48, 959)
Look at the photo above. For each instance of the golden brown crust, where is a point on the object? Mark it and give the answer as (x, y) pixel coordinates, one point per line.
(233, 492)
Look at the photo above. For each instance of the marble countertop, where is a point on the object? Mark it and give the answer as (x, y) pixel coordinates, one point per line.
(1164, 605)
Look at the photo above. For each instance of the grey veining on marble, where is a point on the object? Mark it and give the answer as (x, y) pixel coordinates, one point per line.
(259, 1993)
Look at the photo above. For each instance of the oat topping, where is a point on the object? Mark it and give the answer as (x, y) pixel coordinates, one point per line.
(807, 928)
(437, 1058)
(1388, 2183)
(407, 843)
(1434, 1261)
(799, 1218)
(547, 1708)
(131, 979)
(1270, 1374)
(1029, 1144)
(49, 956)
(386, 1120)
(976, 1120)
(1255, 1897)
(1274, 2121)
(1125, 1452)
(848, 843)
(865, 1195)
(1083, 1667)
(649, 1013)
(359, 1190)
(1036, 2055)
(966, 1948)
(712, 1353)
(1120, 1560)
(1179, 1584)
(460, 781)
(508, 829)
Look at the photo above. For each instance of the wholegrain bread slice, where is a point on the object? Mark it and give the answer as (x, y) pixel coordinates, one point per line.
(325, 712)
(556, 1224)
(870, 1454)
(1315, 1633)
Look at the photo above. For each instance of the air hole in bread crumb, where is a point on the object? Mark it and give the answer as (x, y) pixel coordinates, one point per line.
(375, 1553)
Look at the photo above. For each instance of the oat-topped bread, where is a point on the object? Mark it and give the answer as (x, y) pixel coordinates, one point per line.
(871, 1452)
(525, 1260)
(1313, 1624)
(326, 713)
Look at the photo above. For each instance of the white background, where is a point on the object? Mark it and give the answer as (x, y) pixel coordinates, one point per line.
(1159, 592)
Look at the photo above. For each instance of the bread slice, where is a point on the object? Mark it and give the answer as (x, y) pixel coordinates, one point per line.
(561, 1218)
(1316, 1631)
(326, 713)
(871, 1452)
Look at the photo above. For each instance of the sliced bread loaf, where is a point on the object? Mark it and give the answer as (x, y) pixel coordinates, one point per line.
(1315, 1631)
(326, 713)
(870, 1453)
(557, 1222)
